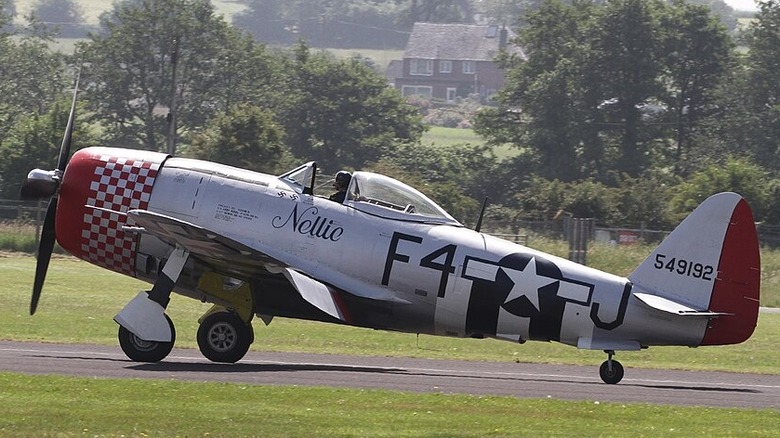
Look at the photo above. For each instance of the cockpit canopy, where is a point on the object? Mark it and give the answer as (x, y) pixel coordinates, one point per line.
(367, 191)
(375, 194)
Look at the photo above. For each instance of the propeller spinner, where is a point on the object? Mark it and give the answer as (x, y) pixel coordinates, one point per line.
(41, 184)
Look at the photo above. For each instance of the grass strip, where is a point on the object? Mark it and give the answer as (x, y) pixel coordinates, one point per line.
(64, 406)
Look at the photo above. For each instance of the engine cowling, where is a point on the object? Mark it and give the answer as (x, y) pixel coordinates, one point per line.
(98, 186)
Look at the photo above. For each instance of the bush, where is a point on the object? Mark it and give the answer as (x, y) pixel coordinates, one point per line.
(738, 175)
(543, 199)
(443, 117)
(17, 237)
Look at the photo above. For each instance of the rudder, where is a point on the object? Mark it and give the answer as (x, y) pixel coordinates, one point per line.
(737, 288)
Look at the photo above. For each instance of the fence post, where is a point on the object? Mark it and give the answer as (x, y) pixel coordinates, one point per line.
(578, 233)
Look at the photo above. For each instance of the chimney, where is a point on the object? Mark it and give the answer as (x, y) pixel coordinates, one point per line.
(502, 37)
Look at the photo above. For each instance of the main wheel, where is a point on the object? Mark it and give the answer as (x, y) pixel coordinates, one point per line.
(139, 350)
(224, 337)
(611, 376)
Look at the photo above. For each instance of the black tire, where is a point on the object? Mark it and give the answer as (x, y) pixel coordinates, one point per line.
(611, 376)
(224, 337)
(139, 350)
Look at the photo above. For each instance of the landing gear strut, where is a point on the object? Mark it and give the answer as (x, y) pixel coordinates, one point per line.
(611, 371)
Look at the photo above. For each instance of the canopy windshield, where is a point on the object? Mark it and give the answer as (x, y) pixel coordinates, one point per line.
(394, 199)
(301, 179)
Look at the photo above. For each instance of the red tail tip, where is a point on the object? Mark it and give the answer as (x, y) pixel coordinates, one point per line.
(737, 287)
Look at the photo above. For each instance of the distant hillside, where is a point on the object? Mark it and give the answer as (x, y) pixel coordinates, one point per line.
(93, 8)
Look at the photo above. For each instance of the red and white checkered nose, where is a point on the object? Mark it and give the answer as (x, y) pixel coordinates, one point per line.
(98, 187)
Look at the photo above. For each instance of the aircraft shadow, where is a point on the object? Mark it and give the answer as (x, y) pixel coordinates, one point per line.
(696, 388)
(50, 356)
(211, 367)
(597, 383)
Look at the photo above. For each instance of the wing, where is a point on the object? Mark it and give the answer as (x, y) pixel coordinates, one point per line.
(218, 251)
(248, 259)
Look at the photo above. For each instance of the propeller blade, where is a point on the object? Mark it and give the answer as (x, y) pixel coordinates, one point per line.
(45, 248)
(68, 137)
(41, 183)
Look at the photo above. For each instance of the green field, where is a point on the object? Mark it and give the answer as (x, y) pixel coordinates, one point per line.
(79, 301)
(448, 137)
(57, 406)
(93, 8)
(444, 138)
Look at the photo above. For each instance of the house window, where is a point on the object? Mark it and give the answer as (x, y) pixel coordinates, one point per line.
(421, 67)
(451, 94)
(417, 90)
(469, 67)
(445, 66)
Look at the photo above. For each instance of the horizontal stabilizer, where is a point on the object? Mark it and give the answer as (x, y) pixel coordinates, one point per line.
(673, 307)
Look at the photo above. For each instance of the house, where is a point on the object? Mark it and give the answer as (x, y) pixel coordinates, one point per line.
(445, 61)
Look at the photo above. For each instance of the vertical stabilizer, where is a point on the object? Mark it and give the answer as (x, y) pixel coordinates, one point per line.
(710, 263)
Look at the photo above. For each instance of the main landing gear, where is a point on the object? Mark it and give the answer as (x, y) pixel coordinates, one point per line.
(222, 337)
(611, 371)
(146, 333)
(139, 350)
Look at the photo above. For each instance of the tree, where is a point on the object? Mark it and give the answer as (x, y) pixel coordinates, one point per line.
(457, 180)
(59, 11)
(603, 83)
(64, 14)
(7, 14)
(545, 199)
(245, 136)
(732, 174)
(642, 202)
(341, 113)
(162, 68)
(696, 52)
(509, 12)
(626, 56)
(32, 79)
(34, 142)
(720, 9)
(759, 123)
(325, 23)
(265, 20)
(437, 11)
(542, 105)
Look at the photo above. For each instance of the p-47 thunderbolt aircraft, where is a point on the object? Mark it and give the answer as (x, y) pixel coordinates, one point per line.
(385, 257)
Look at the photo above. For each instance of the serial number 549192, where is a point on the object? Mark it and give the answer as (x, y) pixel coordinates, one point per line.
(683, 267)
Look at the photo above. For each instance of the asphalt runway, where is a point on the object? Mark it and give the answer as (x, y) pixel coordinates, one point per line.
(417, 375)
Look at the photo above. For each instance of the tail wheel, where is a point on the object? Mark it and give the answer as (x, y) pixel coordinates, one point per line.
(224, 337)
(611, 371)
(139, 350)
